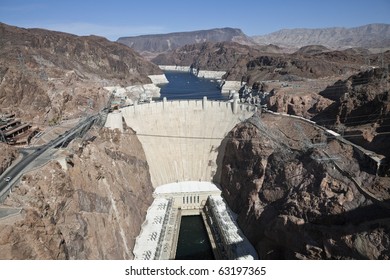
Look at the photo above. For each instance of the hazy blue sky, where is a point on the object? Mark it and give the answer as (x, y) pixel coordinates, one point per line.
(115, 18)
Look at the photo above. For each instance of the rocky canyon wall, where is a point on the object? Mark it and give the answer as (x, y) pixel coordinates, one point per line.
(89, 203)
(292, 202)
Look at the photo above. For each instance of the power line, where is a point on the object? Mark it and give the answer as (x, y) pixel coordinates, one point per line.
(224, 138)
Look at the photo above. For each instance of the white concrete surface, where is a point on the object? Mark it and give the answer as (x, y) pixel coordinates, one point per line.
(236, 245)
(211, 74)
(114, 120)
(150, 89)
(185, 187)
(158, 79)
(149, 239)
(133, 92)
(182, 139)
(175, 68)
(191, 195)
(207, 74)
(230, 86)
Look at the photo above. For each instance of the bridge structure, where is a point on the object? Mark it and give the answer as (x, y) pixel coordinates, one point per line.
(184, 142)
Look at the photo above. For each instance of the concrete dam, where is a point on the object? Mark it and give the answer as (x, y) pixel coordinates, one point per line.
(184, 147)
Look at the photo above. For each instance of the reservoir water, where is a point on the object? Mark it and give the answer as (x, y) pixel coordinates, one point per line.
(183, 85)
(193, 243)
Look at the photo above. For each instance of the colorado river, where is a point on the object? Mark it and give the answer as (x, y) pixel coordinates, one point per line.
(193, 243)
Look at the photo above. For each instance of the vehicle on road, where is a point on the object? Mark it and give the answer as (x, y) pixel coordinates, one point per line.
(7, 179)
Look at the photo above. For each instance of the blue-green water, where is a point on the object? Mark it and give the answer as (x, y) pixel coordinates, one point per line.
(193, 243)
(183, 85)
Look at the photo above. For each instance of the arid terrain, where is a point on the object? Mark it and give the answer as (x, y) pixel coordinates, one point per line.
(89, 203)
(295, 202)
(299, 193)
(48, 76)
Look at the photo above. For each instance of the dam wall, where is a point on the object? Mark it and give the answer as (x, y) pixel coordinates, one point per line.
(183, 140)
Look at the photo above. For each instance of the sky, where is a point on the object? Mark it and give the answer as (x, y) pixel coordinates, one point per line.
(117, 18)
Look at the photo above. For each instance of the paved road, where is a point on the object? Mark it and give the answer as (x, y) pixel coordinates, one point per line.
(17, 170)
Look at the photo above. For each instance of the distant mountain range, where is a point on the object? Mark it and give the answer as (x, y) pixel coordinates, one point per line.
(166, 42)
(367, 36)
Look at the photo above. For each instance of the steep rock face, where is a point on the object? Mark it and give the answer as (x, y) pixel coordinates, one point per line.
(307, 105)
(206, 56)
(259, 63)
(360, 108)
(367, 36)
(292, 206)
(51, 74)
(7, 156)
(91, 206)
(166, 42)
(298, 66)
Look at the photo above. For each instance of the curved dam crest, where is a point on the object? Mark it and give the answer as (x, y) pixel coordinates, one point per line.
(183, 139)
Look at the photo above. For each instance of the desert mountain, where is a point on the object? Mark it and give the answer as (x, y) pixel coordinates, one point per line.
(166, 42)
(367, 36)
(258, 63)
(360, 109)
(50, 75)
(207, 55)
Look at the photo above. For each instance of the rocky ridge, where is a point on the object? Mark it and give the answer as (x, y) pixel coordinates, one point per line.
(160, 43)
(88, 203)
(366, 36)
(259, 63)
(293, 205)
(46, 76)
(7, 156)
(360, 109)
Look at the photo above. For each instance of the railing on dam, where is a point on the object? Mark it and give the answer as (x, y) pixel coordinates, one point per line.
(159, 106)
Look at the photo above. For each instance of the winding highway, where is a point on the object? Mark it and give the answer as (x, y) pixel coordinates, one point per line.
(29, 155)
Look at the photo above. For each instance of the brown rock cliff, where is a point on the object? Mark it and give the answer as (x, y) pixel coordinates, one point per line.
(292, 201)
(90, 207)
